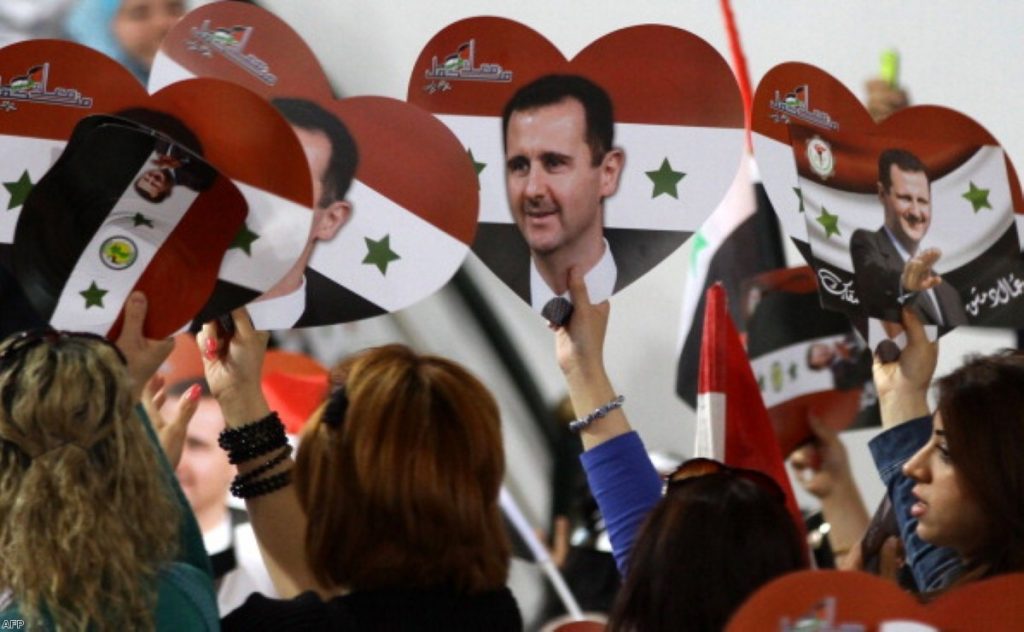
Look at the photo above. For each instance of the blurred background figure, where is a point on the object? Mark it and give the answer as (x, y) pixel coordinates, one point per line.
(32, 19)
(130, 31)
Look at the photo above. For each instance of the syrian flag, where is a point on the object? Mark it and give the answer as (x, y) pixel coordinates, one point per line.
(88, 237)
(808, 362)
(972, 218)
(732, 424)
(739, 240)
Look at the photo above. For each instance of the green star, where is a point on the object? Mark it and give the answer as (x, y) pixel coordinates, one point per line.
(93, 296)
(699, 244)
(760, 382)
(977, 197)
(19, 190)
(799, 196)
(477, 167)
(792, 371)
(665, 180)
(379, 253)
(142, 220)
(830, 222)
(243, 239)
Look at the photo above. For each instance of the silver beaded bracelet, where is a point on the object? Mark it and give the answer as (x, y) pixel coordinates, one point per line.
(599, 412)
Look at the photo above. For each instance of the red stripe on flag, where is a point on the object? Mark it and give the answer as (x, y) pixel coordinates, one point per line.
(750, 441)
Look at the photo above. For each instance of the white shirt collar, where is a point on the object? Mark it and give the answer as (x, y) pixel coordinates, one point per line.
(600, 281)
(218, 538)
(280, 312)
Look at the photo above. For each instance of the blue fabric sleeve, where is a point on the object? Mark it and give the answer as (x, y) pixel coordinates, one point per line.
(626, 487)
(933, 567)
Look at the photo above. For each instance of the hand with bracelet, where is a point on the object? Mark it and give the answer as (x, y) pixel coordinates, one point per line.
(255, 441)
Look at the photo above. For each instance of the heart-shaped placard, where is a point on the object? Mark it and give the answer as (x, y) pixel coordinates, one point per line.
(819, 150)
(413, 197)
(53, 85)
(842, 600)
(678, 122)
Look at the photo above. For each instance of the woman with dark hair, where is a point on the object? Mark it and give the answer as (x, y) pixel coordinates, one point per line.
(717, 535)
(389, 517)
(89, 522)
(955, 477)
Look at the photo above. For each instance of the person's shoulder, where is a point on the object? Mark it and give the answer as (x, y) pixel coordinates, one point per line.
(185, 599)
(305, 612)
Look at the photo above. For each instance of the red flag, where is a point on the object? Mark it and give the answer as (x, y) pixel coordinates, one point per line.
(733, 425)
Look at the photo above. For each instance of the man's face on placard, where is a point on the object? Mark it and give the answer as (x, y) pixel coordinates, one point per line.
(908, 207)
(154, 183)
(555, 191)
(317, 148)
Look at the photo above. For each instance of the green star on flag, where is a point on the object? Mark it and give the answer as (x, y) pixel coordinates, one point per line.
(977, 197)
(699, 243)
(379, 253)
(830, 222)
(141, 220)
(243, 240)
(19, 190)
(477, 167)
(792, 370)
(799, 196)
(665, 180)
(760, 382)
(93, 296)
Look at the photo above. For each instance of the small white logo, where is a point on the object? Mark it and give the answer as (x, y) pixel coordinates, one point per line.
(821, 158)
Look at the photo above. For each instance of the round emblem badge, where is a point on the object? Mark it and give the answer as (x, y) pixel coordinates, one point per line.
(118, 252)
(819, 155)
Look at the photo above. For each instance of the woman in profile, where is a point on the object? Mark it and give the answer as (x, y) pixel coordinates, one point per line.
(88, 520)
(388, 518)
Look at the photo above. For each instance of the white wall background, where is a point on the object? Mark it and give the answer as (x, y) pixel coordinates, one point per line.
(958, 54)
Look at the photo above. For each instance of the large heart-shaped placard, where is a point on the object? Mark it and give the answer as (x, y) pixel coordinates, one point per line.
(53, 85)
(842, 600)
(818, 152)
(413, 197)
(678, 119)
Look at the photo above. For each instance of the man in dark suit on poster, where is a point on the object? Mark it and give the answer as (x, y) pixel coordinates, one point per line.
(889, 269)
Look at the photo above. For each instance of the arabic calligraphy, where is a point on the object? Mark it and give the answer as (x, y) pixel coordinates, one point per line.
(461, 66)
(835, 286)
(230, 42)
(797, 104)
(1002, 292)
(32, 87)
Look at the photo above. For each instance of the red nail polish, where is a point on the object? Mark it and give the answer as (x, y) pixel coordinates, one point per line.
(211, 349)
(193, 393)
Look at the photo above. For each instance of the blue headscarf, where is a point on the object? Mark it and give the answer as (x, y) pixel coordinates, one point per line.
(89, 23)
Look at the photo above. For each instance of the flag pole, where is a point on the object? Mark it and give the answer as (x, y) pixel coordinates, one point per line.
(540, 553)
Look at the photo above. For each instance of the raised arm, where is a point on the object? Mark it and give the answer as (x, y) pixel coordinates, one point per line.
(233, 372)
(621, 477)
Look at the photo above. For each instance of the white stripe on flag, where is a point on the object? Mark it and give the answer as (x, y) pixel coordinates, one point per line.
(22, 154)
(779, 177)
(283, 229)
(71, 312)
(166, 71)
(735, 208)
(707, 155)
(428, 256)
(810, 381)
(961, 233)
(709, 439)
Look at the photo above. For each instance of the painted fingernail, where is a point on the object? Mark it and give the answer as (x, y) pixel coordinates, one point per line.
(193, 393)
(211, 349)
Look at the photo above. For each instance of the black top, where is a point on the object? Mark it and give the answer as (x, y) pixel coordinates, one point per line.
(386, 609)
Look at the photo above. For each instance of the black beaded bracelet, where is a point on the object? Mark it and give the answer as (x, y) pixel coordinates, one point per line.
(253, 474)
(253, 439)
(264, 486)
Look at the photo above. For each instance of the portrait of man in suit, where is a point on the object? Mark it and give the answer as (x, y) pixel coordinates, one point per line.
(560, 165)
(174, 165)
(890, 268)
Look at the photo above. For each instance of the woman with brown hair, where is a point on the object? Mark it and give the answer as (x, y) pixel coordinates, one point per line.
(955, 477)
(389, 517)
(88, 520)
